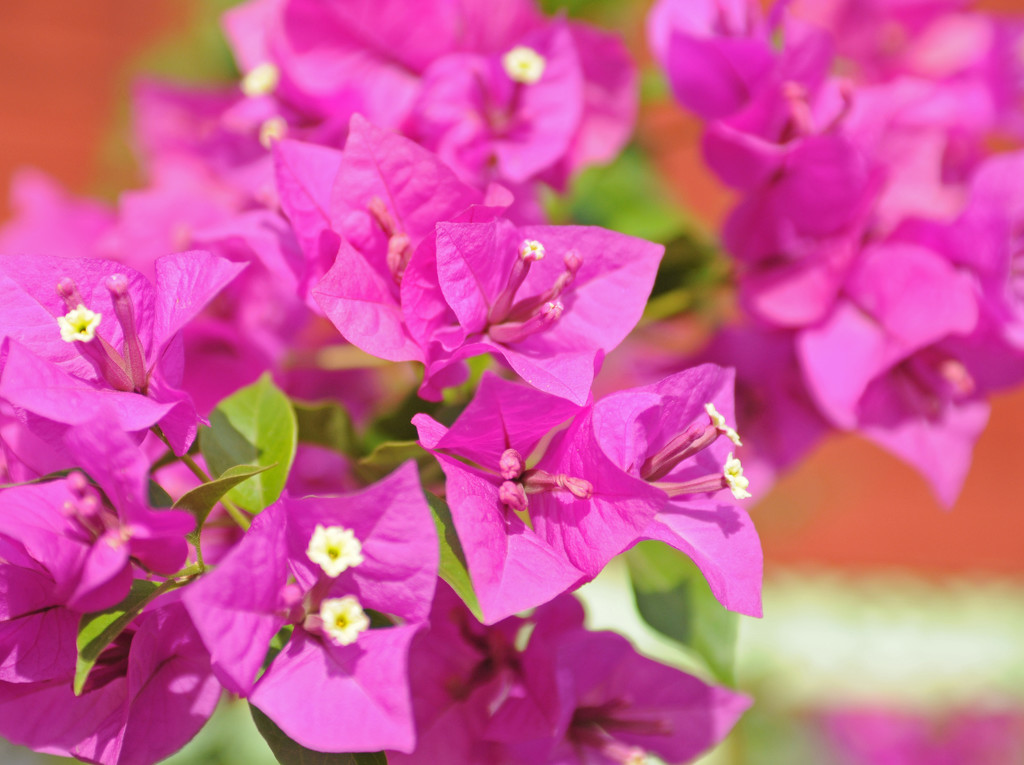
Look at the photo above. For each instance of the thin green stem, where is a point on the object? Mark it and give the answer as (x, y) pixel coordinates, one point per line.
(188, 572)
(194, 540)
(197, 471)
(236, 514)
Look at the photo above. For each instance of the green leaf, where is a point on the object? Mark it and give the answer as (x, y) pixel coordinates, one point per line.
(674, 599)
(388, 456)
(200, 500)
(157, 496)
(253, 426)
(626, 195)
(326, 423)
(453, 560)
(289, 752)
(97, 630)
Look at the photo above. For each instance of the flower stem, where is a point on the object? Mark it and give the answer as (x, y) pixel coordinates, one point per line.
(236, 514)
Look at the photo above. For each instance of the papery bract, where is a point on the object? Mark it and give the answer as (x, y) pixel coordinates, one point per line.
(325, 695)
(638, 430)
(877, 362)
(541, 689)
(132, 366)
(552, 317)
(157, 663)
(582, 513)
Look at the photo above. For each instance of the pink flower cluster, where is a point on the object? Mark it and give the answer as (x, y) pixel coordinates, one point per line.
(365, 197)
(877, 234)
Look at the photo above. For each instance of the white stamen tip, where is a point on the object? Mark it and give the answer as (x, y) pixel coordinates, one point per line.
(273, 129)
(531, 249)
(343, 619)
(262, 80)
(78, 324)
(334, 549)
(738, 483)
(523, 64)
(719, 422)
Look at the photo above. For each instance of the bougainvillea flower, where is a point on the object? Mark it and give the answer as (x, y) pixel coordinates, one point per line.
(503, 117)
(79, 547)
(541, 689)
(878, 363)
(618, 707)
(309, 67)
(462, 672)
(888, 315)
(675, 436)
(84, 335)
(539, 296)
(121, 470)
(361, 57)
(986, 238)
(157, 663)
(582, 512)
(316, 563)
(387, 197)
(716, 52)
(69, 546)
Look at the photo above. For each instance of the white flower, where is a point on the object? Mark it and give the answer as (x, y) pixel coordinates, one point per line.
(273, 129)
(261, 80)
(531, 249)
(738, 483)
(334, 549)
(78, 324)
(719, 422)
(343, 619)
(523, 64)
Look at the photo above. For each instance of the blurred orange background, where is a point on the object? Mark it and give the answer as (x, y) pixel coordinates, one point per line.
(849, 506)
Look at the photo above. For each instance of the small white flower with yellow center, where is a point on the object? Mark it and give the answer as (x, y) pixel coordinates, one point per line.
(719, 422)
(261, 80)
(334, 549)
(531, 249)
(273, 129)
(79, 324)
(738, 483)
(343, 619)
(524, 64)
